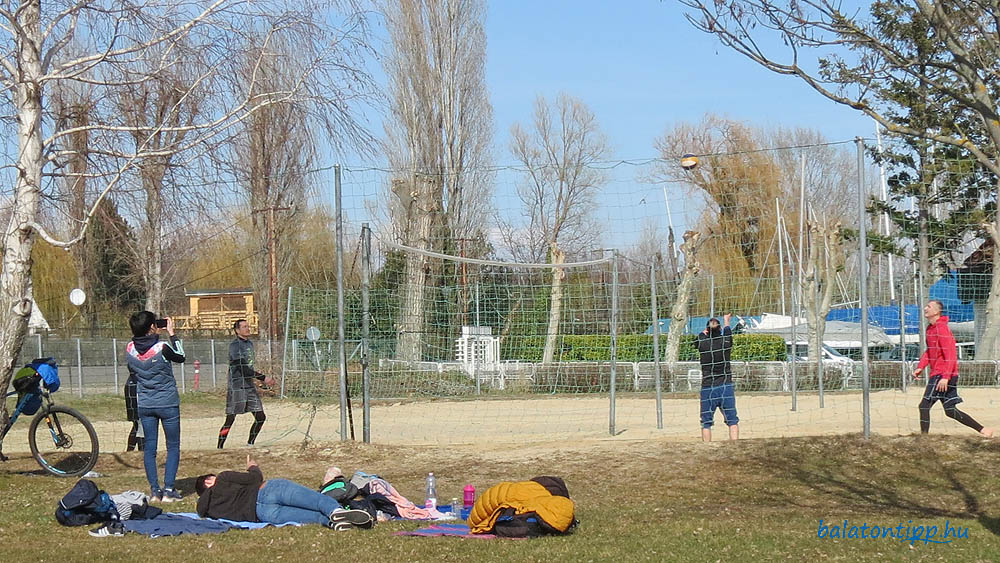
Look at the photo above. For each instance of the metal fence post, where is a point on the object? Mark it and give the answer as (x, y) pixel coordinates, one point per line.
(614, 338)
(342, 353)
(284, 347)
(214, 384)
(38, 338)
(366, 265)
(863, 286)
(183, 386)
(79, 369)
(795, 346)
(656, 346)
(114, 356)
(902, 341)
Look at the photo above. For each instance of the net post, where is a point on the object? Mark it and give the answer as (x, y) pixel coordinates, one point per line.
(795, 347)
(656, 346)
(114, 359)
(284, 346)
(79, 369)
(863, 288)
(614, 338)
(214, 383)
(366, 265)
(342, 354)
(902, 340)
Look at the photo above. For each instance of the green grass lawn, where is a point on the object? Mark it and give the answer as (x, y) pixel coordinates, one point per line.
(642, 501)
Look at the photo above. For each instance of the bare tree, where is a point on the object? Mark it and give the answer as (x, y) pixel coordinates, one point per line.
(273, 154)
(439, 134)
(742, 174)
(893, 61)
(558, 153)
(649, 247)
(106, 38)
(151, 98)
(72, 110)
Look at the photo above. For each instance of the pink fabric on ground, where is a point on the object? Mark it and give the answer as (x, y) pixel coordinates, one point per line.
(406, 509)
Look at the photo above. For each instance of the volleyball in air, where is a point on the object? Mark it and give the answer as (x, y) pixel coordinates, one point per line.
(689, 161)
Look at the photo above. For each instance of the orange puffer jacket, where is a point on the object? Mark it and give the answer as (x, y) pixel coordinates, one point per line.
(523, 497)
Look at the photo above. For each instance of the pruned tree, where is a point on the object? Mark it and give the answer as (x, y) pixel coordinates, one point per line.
(96, 42)
(438, 138)
(893, 60)
(679, 312)
(558, 153)
(824, 258)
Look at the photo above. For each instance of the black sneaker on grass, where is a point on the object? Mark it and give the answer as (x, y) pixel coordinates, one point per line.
(108, 530)
(170, 495)
(346, 519)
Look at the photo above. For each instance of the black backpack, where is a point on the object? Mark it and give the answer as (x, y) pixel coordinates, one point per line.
(85, 504)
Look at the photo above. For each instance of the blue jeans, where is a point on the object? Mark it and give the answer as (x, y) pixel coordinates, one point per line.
(280, 501)
(719, 397)
(171, 419)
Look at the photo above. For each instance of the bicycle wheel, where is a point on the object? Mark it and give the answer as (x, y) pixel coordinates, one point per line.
(63, 441)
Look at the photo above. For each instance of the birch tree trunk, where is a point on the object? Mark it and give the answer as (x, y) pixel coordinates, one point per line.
(15, 302)
(555, 304)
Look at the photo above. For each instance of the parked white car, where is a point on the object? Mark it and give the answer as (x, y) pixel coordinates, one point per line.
(829, 356)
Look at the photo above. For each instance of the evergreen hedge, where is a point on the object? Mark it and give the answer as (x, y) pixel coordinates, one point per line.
(639, 348)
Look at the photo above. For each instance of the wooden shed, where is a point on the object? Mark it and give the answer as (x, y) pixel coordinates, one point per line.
(218, 309)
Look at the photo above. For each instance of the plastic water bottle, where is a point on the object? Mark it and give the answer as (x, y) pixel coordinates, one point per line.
(468, 499)
(468, 496)
(431, 501)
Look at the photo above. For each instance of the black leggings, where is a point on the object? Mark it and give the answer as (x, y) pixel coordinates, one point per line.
(951, 412)
(258, 423)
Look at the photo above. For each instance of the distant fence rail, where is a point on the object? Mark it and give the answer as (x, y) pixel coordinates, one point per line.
(97, 366)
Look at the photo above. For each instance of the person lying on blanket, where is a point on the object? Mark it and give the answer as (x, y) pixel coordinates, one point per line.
(246, 496)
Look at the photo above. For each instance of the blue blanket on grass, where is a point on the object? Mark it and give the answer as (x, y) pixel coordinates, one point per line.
(178, 523)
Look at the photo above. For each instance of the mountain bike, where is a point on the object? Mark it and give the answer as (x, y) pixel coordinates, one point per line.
(61, 439)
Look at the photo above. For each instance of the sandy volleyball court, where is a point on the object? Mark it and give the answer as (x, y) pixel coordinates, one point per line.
(487, 424)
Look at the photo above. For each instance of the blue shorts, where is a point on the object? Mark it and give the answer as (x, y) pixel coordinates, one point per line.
(718, 397)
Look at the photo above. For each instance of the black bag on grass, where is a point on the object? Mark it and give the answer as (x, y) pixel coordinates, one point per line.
(527, 525)
(85, 504)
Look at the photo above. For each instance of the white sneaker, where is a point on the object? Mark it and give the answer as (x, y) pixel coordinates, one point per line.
(171, 495)
(347, 519)
(111, 529)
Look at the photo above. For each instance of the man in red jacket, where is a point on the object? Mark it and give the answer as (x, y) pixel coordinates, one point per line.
(942, 357)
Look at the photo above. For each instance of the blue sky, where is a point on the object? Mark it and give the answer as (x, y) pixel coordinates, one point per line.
(641, 68)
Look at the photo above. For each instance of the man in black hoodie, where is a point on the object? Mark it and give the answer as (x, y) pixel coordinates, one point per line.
(715, 346)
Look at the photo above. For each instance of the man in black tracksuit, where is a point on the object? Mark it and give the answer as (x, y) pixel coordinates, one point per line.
(715, 346)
